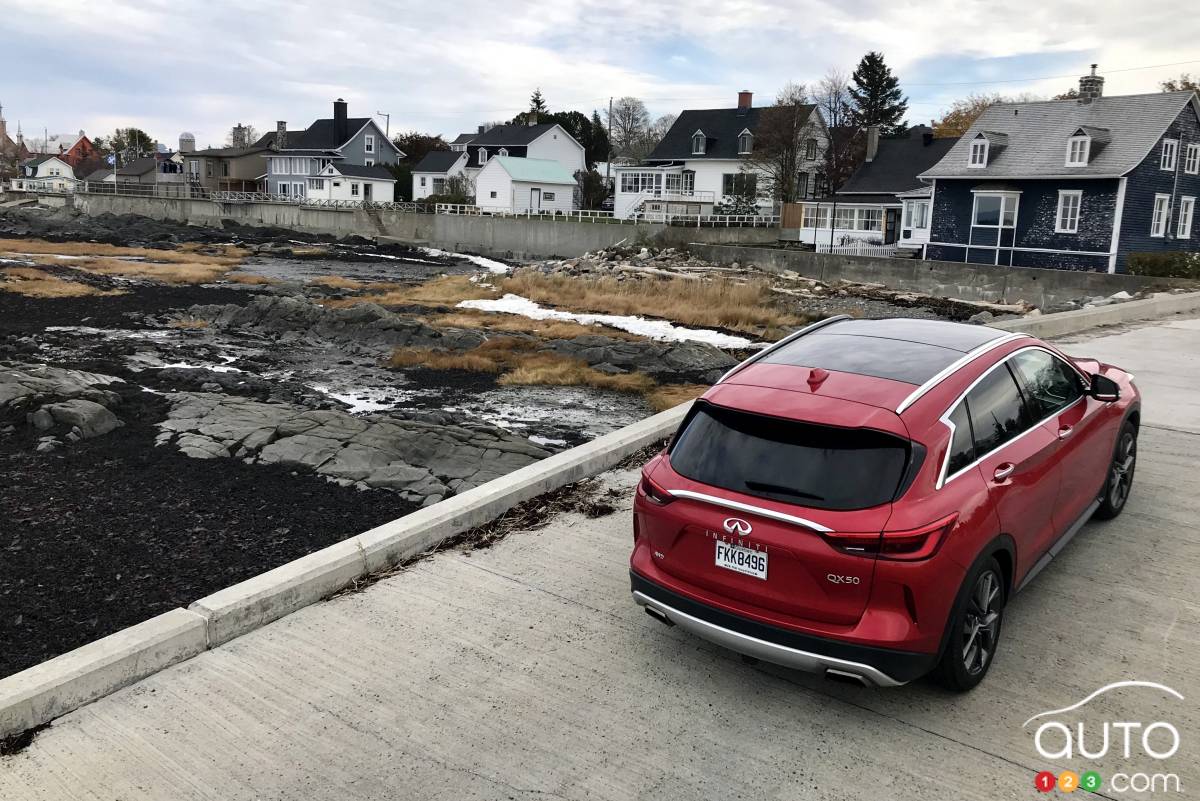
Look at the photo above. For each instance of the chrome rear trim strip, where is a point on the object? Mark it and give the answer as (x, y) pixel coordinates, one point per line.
(783, 517)
(953, 368)
(837, 318)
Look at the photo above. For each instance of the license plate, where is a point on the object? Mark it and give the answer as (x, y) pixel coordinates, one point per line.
(742, 560)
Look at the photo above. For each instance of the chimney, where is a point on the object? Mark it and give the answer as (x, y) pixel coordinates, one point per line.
(927, 138)
(872, 141)
(482, 129)
(532, 119)
(280, 142)
(239, 136)
(341, 128)
(744, 98)
(1091, 87)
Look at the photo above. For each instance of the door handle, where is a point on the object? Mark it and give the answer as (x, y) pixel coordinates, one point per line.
(1065, 431)
(1003, 471)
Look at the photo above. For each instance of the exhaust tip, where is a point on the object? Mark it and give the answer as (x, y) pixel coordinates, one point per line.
(659, 616)
(845, 677)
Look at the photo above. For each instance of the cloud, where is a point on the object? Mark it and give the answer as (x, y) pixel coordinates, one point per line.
(168, 67)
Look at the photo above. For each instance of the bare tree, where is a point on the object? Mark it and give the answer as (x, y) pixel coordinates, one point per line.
(845, 150)
(1181, 84)
(657, 130)
(780, 139)
(241, 136)
(629, 122)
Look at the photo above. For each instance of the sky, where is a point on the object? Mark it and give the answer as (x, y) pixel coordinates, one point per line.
(169, 67)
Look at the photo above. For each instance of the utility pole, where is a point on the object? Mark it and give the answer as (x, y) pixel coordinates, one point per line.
(387, 131)
(608, 156)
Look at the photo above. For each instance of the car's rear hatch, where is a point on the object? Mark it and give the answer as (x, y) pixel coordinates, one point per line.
(796, 482)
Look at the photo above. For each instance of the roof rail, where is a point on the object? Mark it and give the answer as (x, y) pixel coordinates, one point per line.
(837, 318)
(953, 368)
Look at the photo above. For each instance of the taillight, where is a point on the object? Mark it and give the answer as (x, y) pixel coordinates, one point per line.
(654, 493)
(908, 545)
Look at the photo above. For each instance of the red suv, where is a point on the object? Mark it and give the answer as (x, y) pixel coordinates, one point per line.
(862, 498)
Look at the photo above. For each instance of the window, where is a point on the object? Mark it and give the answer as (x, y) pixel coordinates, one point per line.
(745, 142)
(1162, 213)
(547, 196)
(997, 411)
(369, 143)
(1078, 148)
(369, 162)
(337, 184)
(802, 185)
(208, 169)
(503, 152)
(298, 189)
(635, 182)
(843, 218)
(225, 169)
(1187, 206)
(784, 460)
(422, 180)
(995, 211)
(916, 214)
(1049, 385)
(1170, 151)
(438, 185)
(1191, 164)
(816, 217)
(962, 443)
(492, 194)
(810, 149)
(316, 184)
(698, 143)
(870, 220)
(353, 189)
(299, 166)
(744, 184)
(483, 155)
(284, 189)
(1066, 221)
(979, 153)
(193, 167)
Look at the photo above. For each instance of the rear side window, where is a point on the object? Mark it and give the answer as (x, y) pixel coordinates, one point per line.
(1049, 384)
(997, 410)
(962, 445)
(809, 465)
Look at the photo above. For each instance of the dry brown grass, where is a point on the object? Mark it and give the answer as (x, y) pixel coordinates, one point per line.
(516, 324)
(561, 371)
(175, 272)
(670, 396)
(447, 290)
(184, 266)
(34, 283)
(443, 360)
(187, 253)
(337, 282)
(188, 323)
(723, 303)
(250, 279)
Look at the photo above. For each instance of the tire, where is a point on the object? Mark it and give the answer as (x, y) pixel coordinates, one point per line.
(971, 642)
(1119, 482)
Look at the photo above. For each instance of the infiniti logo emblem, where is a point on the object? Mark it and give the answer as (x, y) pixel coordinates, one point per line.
(735, 525)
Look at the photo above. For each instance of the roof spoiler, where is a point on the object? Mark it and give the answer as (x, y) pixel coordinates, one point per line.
(837, 318)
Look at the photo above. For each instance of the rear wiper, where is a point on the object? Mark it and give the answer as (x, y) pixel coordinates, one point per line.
(762, 487)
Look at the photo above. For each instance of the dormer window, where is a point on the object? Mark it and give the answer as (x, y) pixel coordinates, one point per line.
(979, 153)
(699, 140)
(503, 152)
(745, 142)
(483, 155)
(1078, 150)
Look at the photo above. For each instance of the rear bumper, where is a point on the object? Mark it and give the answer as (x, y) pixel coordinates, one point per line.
(879, 667)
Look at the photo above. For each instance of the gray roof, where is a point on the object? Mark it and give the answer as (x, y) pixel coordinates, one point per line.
(463, 139)
(375, 171)
(226, 152)
(139, 166)
(898, 162)
(439, 160)
(510, 134)
(99, 175)
(1034, 136)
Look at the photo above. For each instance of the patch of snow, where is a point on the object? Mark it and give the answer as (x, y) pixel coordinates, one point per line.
(491, 265)
(394, 258)
(216, 368)
(651, 329)
(536, 440)
(362, 399)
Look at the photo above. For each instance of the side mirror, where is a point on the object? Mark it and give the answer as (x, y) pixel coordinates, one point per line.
(1105, 389)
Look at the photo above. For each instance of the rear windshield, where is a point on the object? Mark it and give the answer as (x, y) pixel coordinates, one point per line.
(801, 463)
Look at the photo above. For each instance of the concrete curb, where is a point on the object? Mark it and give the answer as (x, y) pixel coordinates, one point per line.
(59, 685)
(1071, 322)
(55, 687)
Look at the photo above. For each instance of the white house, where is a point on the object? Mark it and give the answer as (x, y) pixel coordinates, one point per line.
(547, 141)
(45, 174)
(340, 181)
(704, 159)
(430, 173)
(519, 185)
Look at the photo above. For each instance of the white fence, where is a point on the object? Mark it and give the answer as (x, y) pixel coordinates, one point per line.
(858, 249)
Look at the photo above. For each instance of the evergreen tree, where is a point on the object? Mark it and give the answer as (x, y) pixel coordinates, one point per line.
(876, 96)
(537, 103)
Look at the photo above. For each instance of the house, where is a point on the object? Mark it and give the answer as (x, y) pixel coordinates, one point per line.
(45, 174)
(342, 181)
(883, 202)
(519, 185)
(242, 167)
(101, 176)
(70, 148)
(459, 144)
(1073, 184)
(705, 159)
(12, 153)
(161, 168)
(545, 141)
(343, 140)
(430, 173)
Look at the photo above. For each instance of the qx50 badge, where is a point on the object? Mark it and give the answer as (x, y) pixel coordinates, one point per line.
(738, 526)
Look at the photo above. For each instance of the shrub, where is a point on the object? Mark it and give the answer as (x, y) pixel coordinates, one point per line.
(1165, 265)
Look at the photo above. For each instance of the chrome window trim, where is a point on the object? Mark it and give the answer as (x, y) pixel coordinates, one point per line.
(943, 479)
(953, 368)
(837, 318)
(783, 517)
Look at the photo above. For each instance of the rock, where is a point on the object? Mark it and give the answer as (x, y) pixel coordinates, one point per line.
(46, 446)
(89, 418)
(42, 420)
(1120, 296)
(982, 318)
(1034, 313)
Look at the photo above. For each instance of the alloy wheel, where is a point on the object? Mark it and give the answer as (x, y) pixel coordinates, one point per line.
(1120, 480)
(981, 624)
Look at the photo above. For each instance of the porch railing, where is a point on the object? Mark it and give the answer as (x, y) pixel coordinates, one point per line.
(859, 248)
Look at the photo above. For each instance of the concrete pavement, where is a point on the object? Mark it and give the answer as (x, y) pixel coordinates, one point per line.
(525, 671)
